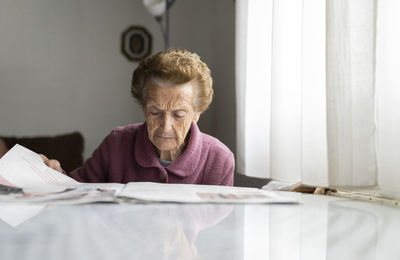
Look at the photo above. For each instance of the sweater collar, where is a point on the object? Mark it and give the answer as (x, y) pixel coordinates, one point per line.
(146, 156)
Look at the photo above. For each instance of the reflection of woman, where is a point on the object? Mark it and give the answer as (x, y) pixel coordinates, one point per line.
(174, 87)
(167, 240)
(160, 232)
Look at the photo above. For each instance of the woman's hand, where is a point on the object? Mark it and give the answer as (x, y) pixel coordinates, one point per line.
(54, 164)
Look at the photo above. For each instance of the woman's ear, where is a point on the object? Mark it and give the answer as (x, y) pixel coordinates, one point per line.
(196, 117)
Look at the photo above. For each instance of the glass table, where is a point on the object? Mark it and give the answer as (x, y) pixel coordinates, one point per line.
(319, 227)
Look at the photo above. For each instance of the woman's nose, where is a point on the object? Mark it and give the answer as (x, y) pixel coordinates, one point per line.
(166, 123)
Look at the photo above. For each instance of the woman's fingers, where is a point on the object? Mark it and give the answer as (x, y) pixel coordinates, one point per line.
(54, 164)
(44, 158)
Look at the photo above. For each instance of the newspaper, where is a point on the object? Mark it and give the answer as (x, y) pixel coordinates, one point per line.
(22, 168)
(192, 193)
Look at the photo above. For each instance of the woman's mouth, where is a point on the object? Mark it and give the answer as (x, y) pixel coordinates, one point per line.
(165, 137)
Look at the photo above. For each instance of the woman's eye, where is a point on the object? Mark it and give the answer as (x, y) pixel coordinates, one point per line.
(155, 113)
(179, 115)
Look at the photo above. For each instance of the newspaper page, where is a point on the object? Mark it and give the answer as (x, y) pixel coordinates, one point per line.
(23, 168)
(192, 193)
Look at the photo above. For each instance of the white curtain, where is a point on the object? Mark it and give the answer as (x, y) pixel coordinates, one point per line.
(251, 44)
(306, 93)
(388, 96)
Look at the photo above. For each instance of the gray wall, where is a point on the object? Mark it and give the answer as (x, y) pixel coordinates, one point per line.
(61, 68)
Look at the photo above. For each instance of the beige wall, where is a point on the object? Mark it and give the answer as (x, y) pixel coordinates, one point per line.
(61, 68)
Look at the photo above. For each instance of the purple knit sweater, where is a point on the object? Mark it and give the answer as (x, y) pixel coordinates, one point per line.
(127, 155)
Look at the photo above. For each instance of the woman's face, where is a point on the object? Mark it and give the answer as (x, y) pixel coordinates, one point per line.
(169, 111)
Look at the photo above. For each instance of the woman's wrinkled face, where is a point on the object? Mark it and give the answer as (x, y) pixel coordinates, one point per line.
(169, 111)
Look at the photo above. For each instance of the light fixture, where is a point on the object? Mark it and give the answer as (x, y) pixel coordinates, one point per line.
(160, 10)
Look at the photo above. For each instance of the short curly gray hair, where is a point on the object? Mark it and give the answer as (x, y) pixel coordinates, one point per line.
(176, 66)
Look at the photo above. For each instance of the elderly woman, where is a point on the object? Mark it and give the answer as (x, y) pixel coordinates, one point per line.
(173, 87)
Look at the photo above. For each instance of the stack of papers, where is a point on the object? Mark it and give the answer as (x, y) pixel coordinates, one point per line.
(22, 168)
